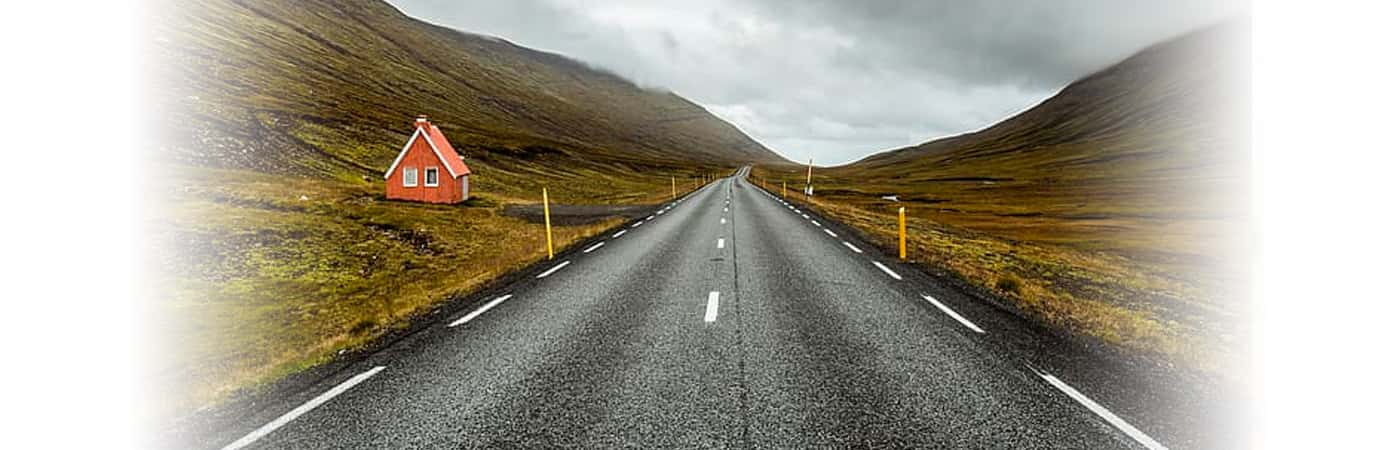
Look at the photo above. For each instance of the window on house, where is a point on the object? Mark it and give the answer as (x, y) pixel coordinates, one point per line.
(410, 176)
(430, 176)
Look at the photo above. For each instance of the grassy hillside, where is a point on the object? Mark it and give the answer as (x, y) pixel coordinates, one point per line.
(346, 75)
(271, 246)
(1115, 209)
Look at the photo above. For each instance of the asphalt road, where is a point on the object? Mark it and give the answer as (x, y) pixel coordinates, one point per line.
(727, 319)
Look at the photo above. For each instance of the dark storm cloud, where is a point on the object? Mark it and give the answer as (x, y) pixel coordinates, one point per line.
(836, 80)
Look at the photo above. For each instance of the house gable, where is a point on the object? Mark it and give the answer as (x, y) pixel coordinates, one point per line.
(432, 136)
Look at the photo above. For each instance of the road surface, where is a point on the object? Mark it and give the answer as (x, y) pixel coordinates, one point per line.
(726, 319)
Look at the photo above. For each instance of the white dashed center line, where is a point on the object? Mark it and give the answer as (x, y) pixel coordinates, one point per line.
(721, 243)
(552, 269)
(852, 247)
(721, 220)
(478, 312)
(828, 232)
(954, 314)
(887, 270)
(590, 249)
(638, 224)
(815, 223)
(621, 232)
(303, 409)
(653, 216)
(712, 307)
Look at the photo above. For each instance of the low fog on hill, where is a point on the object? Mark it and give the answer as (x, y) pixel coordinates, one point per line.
(837, 81)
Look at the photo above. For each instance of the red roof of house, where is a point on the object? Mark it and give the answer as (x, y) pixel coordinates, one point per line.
(448, 155)
(455, 165)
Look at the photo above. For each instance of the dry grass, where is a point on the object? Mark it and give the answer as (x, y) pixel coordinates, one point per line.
(252, 283)
(1175, 313)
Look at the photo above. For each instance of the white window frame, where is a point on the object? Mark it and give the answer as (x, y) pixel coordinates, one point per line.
(436, 176)
(410, 177)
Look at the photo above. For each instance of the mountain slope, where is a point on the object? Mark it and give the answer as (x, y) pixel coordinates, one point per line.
(271, 248)
(1114, 209)
(1167, 117)
(351, 74)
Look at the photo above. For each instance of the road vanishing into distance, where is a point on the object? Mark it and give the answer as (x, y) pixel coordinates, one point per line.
(728, 318)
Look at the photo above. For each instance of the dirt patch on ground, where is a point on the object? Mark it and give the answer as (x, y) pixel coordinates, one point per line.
(576, 214)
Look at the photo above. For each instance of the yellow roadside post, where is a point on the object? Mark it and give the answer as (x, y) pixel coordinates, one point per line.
(548, 232)
(673, 188)
(808, 190)
(784, 188)
(901, 234)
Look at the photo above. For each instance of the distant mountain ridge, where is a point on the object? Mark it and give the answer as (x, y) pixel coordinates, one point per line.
(1173, 104)
(328, 87)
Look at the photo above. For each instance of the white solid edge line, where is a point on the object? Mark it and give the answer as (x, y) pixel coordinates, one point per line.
(852, 247)
(619, 233)
(1104, 413)
(828, 232)
(303, 409)
(887, 270)
(552, 269)
(473, 314)
(954, 314)
(593, 247)
(712, 307)
(720, 244)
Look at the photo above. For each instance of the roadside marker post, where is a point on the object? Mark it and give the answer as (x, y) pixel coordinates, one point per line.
(673, 188)
(901, 234)
(548, 231)
(784, 188)
(808, 190)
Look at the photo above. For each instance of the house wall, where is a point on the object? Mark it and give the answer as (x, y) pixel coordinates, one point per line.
(421, 156)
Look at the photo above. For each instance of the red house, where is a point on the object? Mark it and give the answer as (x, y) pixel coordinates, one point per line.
(428, 169)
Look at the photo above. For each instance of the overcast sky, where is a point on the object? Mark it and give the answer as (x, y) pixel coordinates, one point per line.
(837, 80)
